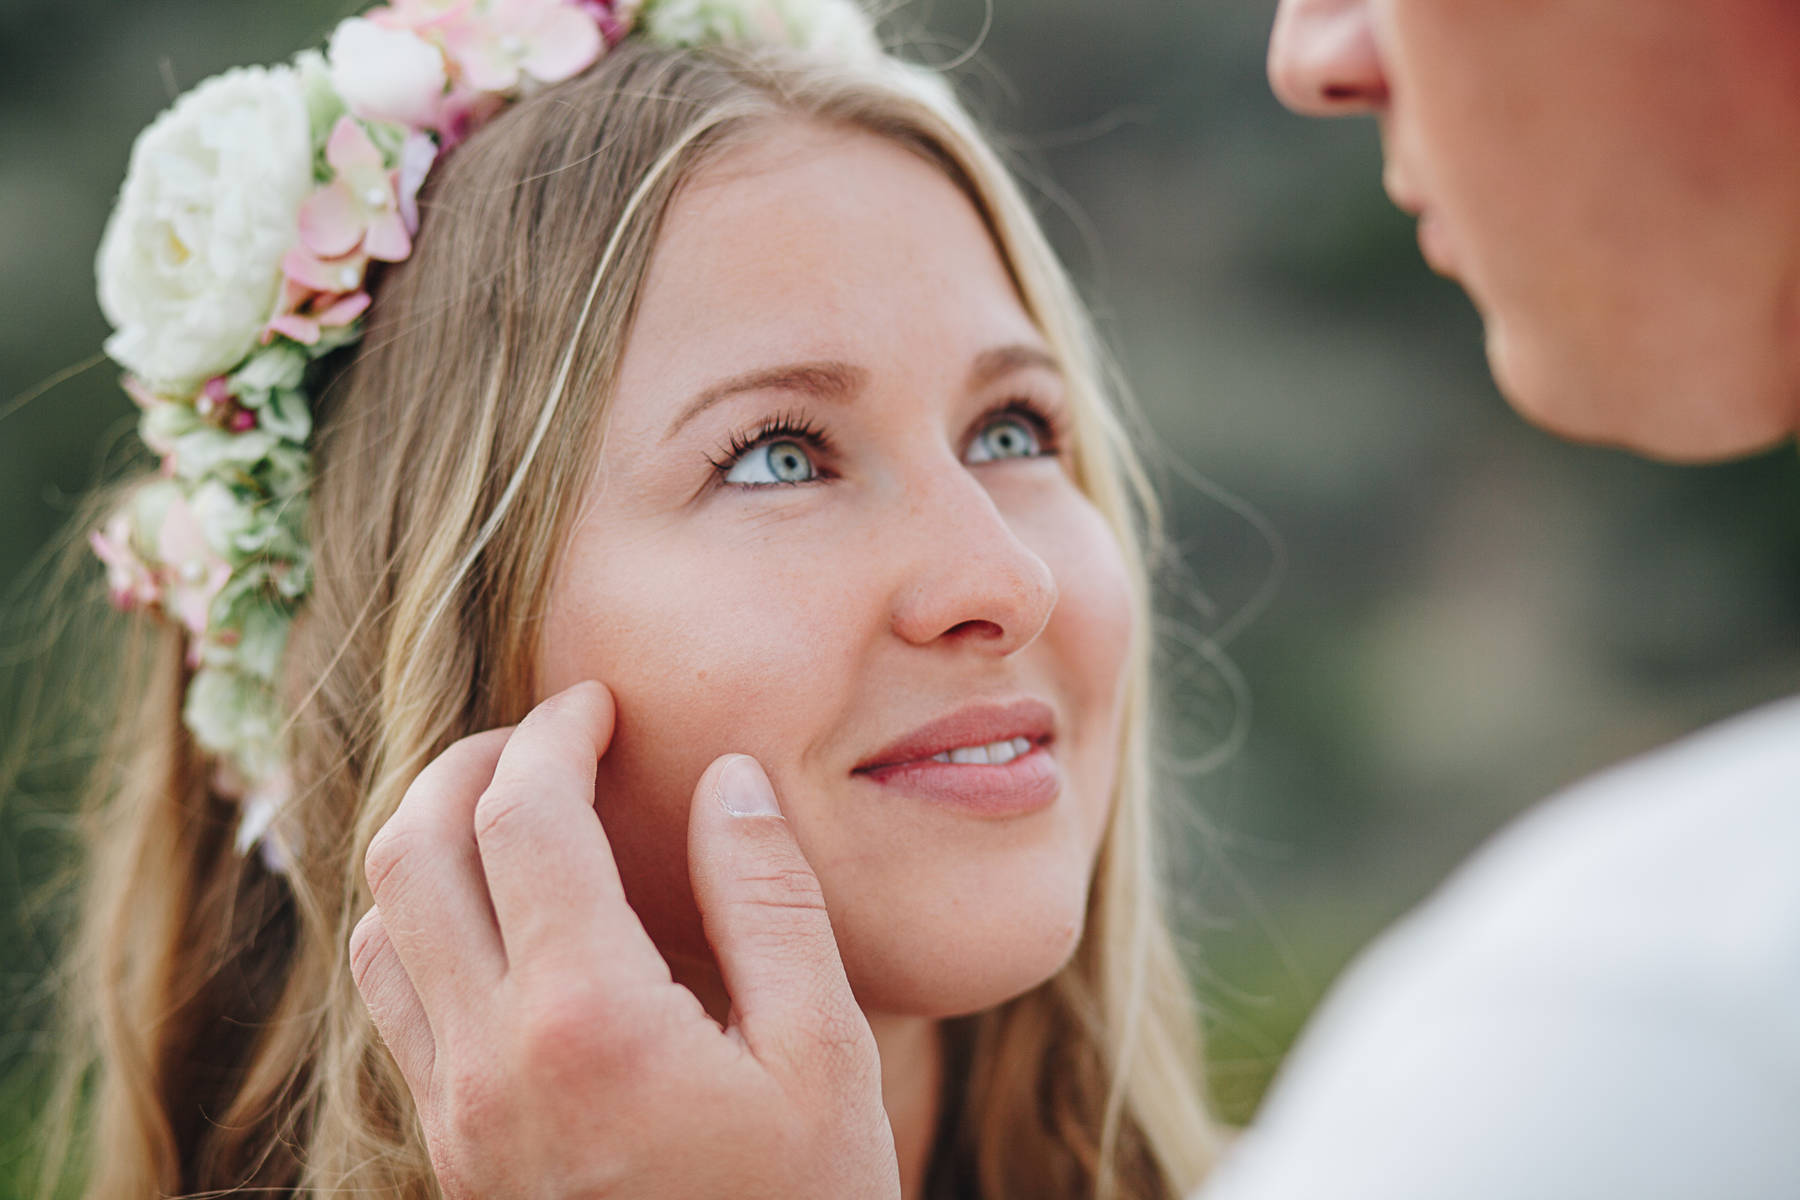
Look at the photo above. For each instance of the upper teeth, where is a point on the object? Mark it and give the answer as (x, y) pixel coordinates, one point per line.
(992, 753)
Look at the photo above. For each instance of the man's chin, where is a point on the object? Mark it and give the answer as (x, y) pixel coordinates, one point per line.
(1615, 406)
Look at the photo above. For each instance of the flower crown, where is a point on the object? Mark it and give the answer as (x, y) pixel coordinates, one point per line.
(237, 256)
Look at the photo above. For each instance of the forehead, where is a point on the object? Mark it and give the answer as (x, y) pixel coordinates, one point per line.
(818, 242)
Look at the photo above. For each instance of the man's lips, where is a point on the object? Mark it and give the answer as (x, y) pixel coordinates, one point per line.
(1434, 241)
(976, 725)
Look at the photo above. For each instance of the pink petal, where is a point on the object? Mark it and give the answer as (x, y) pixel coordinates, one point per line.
(464, 111)
(613, 26)
(309, 270)
(486, 68)
(305, 270)
(140, 395)
(331, 221)
(344, 311)
(565, 43)
(129, 581)
(419, 15)
(387, 238)
(296, 327)
(350, 146)
(417, 154)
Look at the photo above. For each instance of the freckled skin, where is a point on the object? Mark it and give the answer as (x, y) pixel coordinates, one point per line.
(811, 626)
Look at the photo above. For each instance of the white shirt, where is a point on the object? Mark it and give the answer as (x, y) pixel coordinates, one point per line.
(1604, 1004)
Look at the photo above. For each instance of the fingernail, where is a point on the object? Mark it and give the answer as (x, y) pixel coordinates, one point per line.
(744, 790)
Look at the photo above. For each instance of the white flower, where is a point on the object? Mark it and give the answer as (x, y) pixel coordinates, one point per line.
(234, 716)
(386, 74)
(838, 28)
(223, 518)
(190, 264)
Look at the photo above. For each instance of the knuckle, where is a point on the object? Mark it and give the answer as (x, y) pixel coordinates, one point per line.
(793, 888)
(499, 812)
(367, 941)
(459, 767)
(388, 862)
(572, 1034)
(561, 1030)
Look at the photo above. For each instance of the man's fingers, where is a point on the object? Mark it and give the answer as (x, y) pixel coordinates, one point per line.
(393, 1004)
(765, 917)
(426, 878)
(549, 867)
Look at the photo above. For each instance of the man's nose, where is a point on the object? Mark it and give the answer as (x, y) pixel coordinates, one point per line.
(1323, 60)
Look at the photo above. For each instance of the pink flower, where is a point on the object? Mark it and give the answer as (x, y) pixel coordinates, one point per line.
(417, 154)
(545, 40)
(465, 109)
(421, 16)
(614, 17)
(367, 212)
(216, 404)
(317, 295)
(360, 208)
(192, 574)
(130, 581)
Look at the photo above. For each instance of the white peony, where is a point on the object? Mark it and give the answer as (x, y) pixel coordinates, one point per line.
(386, 74)
(190, 264)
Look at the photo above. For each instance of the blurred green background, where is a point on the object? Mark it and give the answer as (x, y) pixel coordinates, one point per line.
(1400, 614)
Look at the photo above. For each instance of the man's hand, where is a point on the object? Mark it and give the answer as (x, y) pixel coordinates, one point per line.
(549, 1051)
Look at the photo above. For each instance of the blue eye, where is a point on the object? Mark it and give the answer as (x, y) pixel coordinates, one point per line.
(773, 463)
(1006, 436)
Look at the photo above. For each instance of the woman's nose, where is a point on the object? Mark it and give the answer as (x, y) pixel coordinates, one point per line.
(1323, 60)
(967, 580)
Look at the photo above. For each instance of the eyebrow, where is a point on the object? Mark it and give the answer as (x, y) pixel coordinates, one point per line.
(841, 381)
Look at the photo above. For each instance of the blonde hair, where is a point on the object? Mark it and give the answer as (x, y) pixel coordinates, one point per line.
(230, 1046)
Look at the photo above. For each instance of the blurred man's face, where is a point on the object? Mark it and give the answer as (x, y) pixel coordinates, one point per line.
(1616, 183)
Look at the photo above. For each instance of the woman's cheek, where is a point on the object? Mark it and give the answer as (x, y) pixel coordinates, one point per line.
(733, 653)
(1091, 635)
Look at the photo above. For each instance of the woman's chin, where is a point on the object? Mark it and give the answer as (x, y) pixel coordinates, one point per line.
(964, 968)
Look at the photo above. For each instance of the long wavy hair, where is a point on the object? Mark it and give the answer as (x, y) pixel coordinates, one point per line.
(223, 1046)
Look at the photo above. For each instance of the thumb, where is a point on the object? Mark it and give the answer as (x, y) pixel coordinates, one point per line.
(764, 914)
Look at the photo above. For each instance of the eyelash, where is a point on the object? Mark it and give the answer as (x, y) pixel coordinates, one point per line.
(787, 427)
(798, 427)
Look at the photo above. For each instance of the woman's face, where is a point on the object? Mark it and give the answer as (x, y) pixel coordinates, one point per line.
(830, 528)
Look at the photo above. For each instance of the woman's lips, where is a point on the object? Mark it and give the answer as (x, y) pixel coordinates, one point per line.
(1027, 784)
(915, 764)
